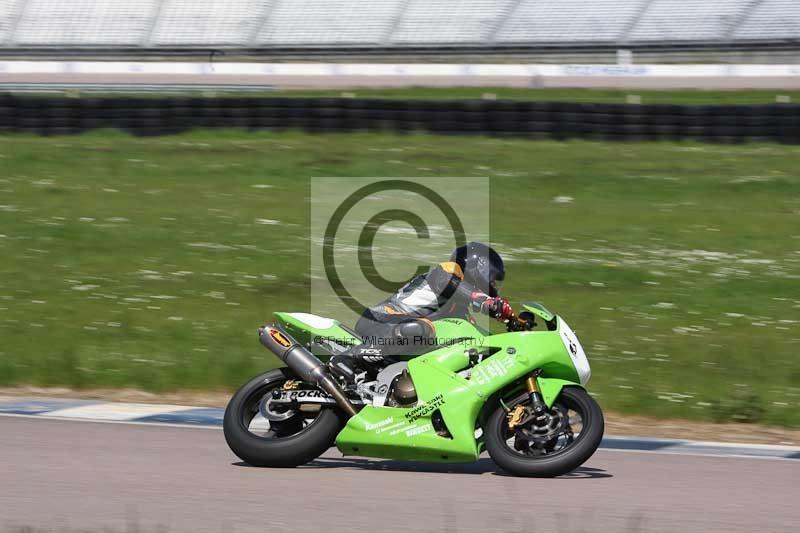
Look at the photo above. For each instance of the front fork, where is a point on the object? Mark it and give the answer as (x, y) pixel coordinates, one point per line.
(536, 396)
(518, 414)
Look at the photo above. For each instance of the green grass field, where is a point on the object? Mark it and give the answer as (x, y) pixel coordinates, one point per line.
(615, 96)
(146, 262)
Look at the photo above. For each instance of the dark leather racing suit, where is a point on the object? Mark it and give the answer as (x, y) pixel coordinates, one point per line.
(402, 324)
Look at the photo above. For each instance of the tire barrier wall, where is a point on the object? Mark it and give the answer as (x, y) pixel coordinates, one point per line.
(536, 120)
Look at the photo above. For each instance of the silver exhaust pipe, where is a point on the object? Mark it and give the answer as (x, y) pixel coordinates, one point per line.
(307, 366)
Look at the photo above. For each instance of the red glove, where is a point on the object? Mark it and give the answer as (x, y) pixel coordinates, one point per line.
(498, 308)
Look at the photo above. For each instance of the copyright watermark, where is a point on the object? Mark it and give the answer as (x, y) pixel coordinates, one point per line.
(415, 341)
(371, 236)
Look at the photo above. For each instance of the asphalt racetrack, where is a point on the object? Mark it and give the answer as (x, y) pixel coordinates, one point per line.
(58, 475)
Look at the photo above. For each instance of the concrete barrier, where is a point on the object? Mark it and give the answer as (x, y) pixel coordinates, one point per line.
(251, 75)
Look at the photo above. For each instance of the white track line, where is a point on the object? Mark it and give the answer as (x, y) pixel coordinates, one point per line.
(686, 442)
(115, 411)
(685, 451)
(107, 421)
(665, 451)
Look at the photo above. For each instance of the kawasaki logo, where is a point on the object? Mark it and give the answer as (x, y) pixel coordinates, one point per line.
(425, 409)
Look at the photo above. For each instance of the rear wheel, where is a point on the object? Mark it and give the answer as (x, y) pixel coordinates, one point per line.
(282, 439)
(551, 444)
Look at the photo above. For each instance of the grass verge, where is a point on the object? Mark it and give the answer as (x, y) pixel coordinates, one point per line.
(148, 263)
(605, 96)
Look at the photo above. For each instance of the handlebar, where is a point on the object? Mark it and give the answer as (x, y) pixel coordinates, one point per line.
(522, 322)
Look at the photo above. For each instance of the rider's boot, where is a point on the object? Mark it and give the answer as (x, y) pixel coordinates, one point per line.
(349, 364)
(386, 342)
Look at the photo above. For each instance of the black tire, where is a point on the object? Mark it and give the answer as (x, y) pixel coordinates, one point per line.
(296, 446)
(563, 462)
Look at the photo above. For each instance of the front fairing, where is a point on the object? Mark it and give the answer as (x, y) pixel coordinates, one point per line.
(575, 352)
(448, 387)
(508, 357)
(539, 310)
(519, 353)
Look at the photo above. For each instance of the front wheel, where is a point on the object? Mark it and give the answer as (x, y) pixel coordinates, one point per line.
(547, 445)
(291, 439)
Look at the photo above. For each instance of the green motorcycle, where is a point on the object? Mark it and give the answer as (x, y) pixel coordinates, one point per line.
(518, 395)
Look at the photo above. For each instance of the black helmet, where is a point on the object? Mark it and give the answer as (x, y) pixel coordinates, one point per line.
(482, 266)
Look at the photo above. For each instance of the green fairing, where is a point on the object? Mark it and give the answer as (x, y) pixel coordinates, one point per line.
(551, 388)
(539, 310)
(403, 433)
(304, 330)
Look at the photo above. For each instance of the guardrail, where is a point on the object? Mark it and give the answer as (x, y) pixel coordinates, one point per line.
(536, 120)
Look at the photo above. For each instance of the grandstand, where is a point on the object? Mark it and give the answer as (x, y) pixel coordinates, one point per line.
(310, 23)
(393, 25)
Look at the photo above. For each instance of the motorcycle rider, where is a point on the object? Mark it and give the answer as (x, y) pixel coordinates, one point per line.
(402, 324)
